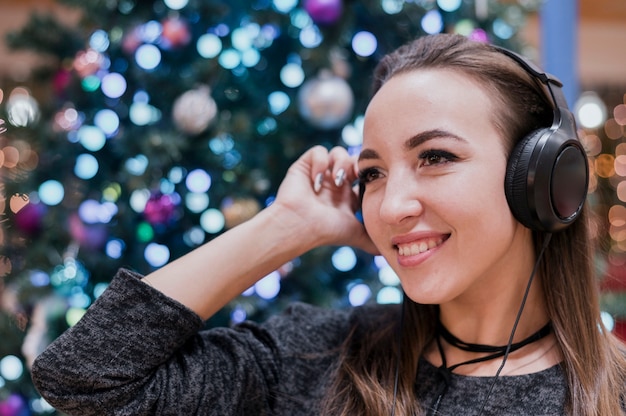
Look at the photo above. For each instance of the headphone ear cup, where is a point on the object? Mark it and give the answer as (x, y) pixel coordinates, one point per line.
(516, 179)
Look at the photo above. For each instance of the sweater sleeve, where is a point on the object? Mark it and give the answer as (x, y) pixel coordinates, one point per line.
(138, 352)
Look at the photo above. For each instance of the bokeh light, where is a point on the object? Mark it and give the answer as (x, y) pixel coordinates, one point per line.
(209, 45)
(113, 85)
(108, 121)
(364, 43)
(194, 236)
(137, 165)
(311, 37)
(94, 212)
(115, 248)
(196, 201)
(392, 6)
(432, 22)
(284, 6)
(449, 5)
(241, 38)
(99, 41)
(11, 367)
(359, 294)
(143, 114)
(607, 320)
(589, 110)
(388, 276)
(86, 166)
(73, 315)
(229, 59)
(250, 58)
(344, 259)
(278, 102)
(176, 4)
(389, 295)
(148, 57)
(91, 137)
(502, 29)
(51, 192)
(156, 254)
(138, 199)
(269, 286)
(212, 221)
(198, 180)
(292, 75)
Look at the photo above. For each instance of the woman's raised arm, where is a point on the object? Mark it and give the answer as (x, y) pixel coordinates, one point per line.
(314, 206)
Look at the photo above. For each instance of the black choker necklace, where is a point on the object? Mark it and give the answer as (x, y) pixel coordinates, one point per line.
(492, 351)
(495, 351)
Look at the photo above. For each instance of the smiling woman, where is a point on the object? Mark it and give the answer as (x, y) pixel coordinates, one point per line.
(500, 315)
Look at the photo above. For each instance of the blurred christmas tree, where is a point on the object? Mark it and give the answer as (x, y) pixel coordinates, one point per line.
(162, 123)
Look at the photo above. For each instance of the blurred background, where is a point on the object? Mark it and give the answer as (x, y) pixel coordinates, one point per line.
(132, 131)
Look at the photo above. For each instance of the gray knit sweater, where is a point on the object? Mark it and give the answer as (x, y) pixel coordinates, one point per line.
(138, 352)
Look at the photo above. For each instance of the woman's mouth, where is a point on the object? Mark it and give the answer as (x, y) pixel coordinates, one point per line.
(417, 247)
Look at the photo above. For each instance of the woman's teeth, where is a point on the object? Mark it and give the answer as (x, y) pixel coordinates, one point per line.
(411, 249)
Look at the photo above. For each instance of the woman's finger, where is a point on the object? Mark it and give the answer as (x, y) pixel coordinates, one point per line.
(342, 166)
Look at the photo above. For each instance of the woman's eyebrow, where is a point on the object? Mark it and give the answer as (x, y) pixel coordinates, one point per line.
(414, 141)
(425, 136)
(368, 154)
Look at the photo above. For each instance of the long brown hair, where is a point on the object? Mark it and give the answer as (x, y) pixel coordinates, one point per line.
(593, 359)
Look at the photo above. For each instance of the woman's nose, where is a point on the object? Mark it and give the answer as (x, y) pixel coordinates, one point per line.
(401, 200)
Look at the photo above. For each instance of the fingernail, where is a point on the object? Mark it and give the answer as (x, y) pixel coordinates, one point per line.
(341, 174)
(317, 186)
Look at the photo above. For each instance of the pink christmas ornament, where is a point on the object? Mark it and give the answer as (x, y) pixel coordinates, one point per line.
(14, 405)
(29, 219)
(61, 81)
(324, 12)
(160, 209)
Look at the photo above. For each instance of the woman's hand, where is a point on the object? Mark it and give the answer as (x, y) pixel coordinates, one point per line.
(317, 196)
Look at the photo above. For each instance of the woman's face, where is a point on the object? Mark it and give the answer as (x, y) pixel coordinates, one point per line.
(433, 166)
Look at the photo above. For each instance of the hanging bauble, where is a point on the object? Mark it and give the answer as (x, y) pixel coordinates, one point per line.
(14, 405)
(29, 219)
(22, 109)
(194, 110)
(175, 33)
(324, 12)
(160, 208)
(239, 210)
(61, 81)
(326, 102)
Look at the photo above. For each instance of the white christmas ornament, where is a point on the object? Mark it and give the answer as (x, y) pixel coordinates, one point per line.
(326, 102)
(194, 110)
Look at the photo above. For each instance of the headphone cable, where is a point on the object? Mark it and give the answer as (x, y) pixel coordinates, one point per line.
(398, 352)
(546, 241)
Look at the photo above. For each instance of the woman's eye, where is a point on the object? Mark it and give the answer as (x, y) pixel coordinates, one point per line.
(435, 157)
(368, 175)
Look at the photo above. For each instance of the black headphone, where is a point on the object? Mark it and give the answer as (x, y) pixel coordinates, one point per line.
(547, 173)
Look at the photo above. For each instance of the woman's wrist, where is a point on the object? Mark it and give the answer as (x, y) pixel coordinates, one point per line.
(292, 231)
